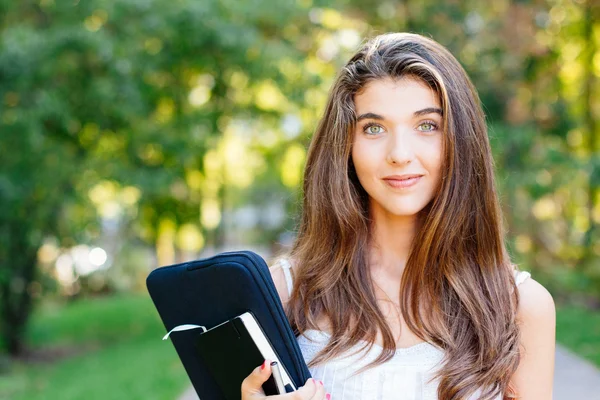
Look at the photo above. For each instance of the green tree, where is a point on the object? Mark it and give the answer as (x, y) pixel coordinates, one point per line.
(133, 92)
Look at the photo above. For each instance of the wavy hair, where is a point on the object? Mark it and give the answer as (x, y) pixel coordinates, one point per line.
(457, 289)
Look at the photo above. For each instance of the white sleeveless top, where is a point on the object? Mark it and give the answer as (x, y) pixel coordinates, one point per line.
(406, 376)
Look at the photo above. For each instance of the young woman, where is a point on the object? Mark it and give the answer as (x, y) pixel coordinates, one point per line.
(399, 285)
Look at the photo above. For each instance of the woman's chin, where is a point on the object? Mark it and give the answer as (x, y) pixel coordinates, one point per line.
(402, 213)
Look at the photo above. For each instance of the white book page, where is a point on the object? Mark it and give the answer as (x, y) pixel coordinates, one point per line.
(263, 345)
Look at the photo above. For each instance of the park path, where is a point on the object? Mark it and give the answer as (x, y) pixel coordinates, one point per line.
(574, 378)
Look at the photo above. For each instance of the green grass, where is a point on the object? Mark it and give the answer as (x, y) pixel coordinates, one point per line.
(578, 329)
(119, 354)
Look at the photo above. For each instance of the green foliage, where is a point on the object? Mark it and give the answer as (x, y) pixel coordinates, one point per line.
(117, 353)
(99, 91)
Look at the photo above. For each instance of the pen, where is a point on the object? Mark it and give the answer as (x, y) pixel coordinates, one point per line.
(278, 378)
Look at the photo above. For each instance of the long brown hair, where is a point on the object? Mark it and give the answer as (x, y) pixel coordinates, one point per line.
(457, 289)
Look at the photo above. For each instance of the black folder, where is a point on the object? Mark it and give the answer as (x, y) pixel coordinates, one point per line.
(210, 291)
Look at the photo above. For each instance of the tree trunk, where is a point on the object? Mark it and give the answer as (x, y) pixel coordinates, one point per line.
(15, 299)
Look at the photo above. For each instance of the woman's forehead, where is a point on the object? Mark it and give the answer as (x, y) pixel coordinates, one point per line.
(393, 97)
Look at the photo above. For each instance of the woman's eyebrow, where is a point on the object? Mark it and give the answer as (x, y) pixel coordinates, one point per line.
(424, 111)
(428, 110)
(369, 115)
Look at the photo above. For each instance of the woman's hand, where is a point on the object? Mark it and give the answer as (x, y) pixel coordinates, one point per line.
(252, 387)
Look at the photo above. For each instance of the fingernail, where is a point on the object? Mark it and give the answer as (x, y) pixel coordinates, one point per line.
(313, 380)
(328, 396)
(264, 365)
(321, 382)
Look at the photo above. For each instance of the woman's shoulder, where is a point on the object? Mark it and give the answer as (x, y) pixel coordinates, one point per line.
(534, 298)
(281, 273)
(535, 301)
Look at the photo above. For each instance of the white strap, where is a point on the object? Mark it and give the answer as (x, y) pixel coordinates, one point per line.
(286, 266)
(521, 276)
(185, 327)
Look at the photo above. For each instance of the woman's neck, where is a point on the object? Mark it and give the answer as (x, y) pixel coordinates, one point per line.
(391, 240)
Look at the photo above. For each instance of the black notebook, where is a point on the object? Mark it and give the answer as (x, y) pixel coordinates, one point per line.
(233, 350)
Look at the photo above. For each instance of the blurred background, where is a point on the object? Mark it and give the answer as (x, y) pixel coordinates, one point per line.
(140, 133)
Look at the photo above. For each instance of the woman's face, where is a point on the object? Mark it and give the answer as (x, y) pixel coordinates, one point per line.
(397, 149)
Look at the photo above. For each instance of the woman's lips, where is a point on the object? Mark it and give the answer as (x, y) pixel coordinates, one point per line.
(401, 183)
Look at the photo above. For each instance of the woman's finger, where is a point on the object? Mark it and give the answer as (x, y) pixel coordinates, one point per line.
(252, 385)
(306, 392)
(320, 393)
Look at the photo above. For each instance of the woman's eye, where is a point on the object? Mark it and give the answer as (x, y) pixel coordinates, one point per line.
(427, 127)
(373, 129)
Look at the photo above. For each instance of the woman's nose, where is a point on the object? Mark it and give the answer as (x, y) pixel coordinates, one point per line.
(400, 149)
